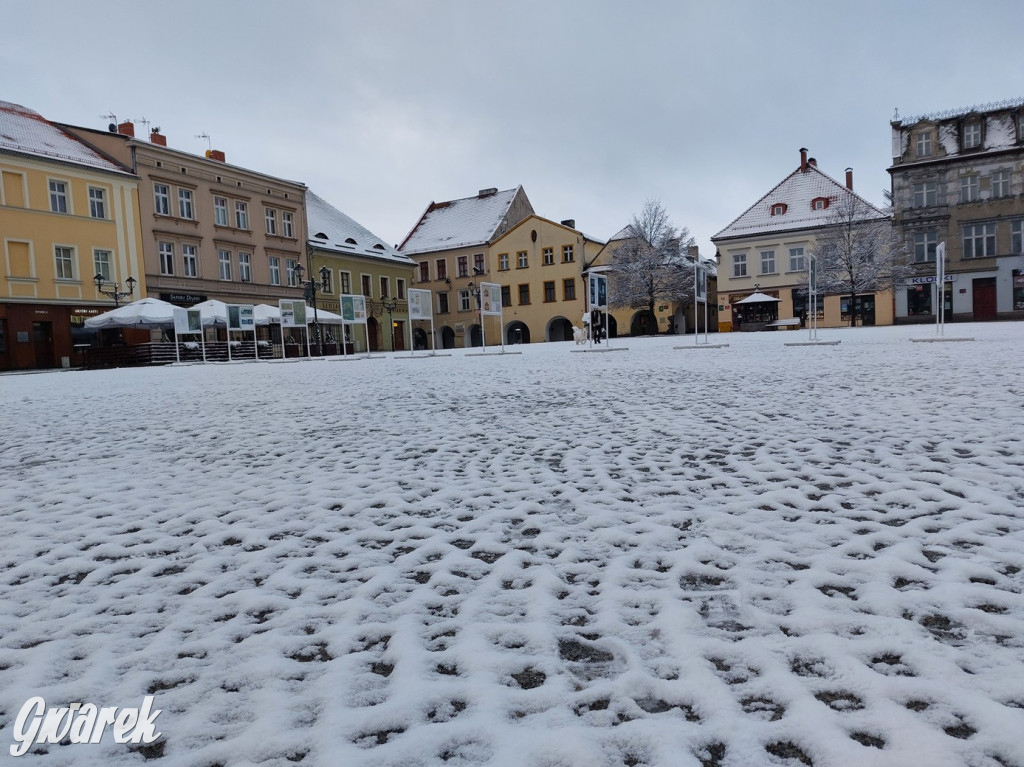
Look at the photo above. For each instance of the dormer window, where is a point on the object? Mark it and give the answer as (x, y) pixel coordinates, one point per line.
(819, 203)
(779, 209)
(924, 144)
(350, 241)
(972, 135)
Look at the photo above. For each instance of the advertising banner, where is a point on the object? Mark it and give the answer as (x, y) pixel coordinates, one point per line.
(187, 321)
(293, 313)
(598, 291)
(701, 284)
(420, 307)
(490, 298)
(241, 317)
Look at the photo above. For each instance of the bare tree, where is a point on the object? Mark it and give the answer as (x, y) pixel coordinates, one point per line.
(652, 263)
(860, 251)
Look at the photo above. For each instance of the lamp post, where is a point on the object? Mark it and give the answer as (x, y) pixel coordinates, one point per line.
(389, 307)
(310, 288)
(114, 293)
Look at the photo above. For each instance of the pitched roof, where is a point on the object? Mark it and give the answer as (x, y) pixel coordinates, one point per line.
(330, 229)
(796, 191)
(459, 223)
(29, 133)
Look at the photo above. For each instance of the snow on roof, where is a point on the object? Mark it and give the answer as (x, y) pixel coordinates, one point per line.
(459, 223)
(329, 228)
(28, 132)
(947, 114)
(796, 192)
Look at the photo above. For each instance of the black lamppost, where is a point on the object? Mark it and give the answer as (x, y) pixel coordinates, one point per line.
(310, 289)
(389, 307)
(114, 293)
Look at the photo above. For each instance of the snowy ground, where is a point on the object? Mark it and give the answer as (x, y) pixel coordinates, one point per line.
(756, 555)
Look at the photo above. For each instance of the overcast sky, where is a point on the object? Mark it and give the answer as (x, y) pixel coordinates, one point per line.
(592, 106)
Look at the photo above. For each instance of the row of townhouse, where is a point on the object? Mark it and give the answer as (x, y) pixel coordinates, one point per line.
(957, 178)
(89, 218)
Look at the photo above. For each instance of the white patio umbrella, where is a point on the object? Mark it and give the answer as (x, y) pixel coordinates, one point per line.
(759, 298)
(146, 312)
(215, 312)
(272, 314)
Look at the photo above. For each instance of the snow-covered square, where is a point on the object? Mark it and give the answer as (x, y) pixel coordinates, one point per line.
(755, 555)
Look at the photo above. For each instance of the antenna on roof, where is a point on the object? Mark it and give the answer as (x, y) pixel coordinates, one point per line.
(896, 115)
(144, 121)
(206, 136)
(112, 127)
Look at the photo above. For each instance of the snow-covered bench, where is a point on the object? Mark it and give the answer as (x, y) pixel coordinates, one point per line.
(789, 324)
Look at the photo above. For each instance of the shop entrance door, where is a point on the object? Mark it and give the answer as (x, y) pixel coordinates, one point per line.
(984, 298)
(42, 342)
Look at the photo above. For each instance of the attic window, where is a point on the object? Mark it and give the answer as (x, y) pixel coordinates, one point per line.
(819, 203)
(350, 241)
(378, 246)
(320, 236)
(779, 209)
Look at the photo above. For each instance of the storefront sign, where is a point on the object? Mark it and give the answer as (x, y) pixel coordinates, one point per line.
(930, 280)
(182, 298)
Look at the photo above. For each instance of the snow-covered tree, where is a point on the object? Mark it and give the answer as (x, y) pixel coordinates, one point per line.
(859, 251)
(652, 263)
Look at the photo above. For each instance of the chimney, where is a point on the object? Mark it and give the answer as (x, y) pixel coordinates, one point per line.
(215, 154)
(803, 160)
(156, 137)
(127, 128)
(849, 179)
(488, 192)
(569, 222)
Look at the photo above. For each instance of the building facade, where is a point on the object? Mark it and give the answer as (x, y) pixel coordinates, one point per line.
(210, 230)
(67, 214)
(958, 178)
(767, 250)
(358, 262)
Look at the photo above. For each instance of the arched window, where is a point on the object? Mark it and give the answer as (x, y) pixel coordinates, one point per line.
(779, 209)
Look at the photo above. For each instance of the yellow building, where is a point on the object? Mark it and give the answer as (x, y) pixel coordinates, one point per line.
(768, 247)
(67, 214)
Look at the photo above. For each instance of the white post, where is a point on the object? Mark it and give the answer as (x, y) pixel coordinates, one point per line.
(227, 335)
(940, 287)
(202, 339)
(255, 343)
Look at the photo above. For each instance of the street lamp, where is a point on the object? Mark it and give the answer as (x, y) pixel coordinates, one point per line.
(310, 289)
(114, 293)
(389, 307)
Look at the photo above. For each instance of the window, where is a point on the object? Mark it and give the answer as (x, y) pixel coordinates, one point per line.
(244, 267)
(819, 203)
(521, 260)
(241, 215)
(287, 228)
(548, 256)
(1017, 237)
(442, 303)
(185, 203)
(97, 202)
(969, 188)
(275, 270)
(972, 135)
(289, 267)
(739, 264)
(220, 211)
(441, 266)
(979, 240)
(767, 262)
(58, 197)
(506, 295)
(478, 263)
(101, 264)
(463, 266)
(924, 246)
(271, 216)
(503, 262)
(65, 262)
(567, 254)
(779, 209)
(424, 271)
(1001, 183)
(328, 281)
(924, 144)
(549, 291)
(367, 288)
(463, 300)
(346, 282)
(797, 260)
(569, 290)
(190, 258)
(1018, 290)
(385, 289)
(161, 199)
(400, 289)
(224, 260)
(925, 194)
(166, 251)
(524, 295)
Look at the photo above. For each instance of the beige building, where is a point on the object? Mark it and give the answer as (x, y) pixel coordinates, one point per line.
(210, 230)
(767, 250)
(958, 178)
(67, 214)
